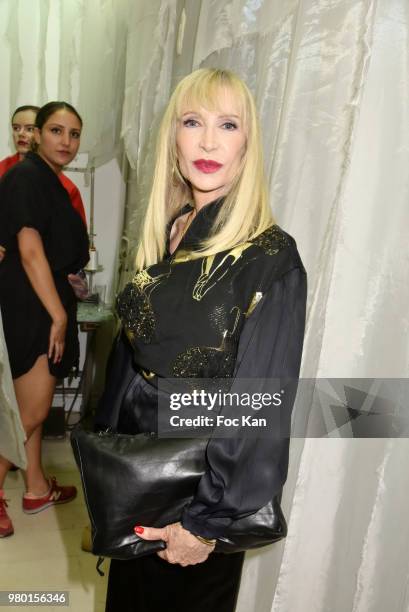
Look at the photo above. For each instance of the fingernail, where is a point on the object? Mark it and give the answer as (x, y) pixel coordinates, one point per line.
(138, 529)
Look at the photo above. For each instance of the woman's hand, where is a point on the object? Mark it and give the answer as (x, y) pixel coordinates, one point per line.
(181, 546)
(57, 339)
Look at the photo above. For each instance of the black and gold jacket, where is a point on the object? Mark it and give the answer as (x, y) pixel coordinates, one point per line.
(240, 314)
(184, 316)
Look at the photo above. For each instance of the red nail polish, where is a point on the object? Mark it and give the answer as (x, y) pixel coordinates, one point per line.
(138, 529)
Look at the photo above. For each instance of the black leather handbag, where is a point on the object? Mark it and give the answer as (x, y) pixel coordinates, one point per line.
(146, 480)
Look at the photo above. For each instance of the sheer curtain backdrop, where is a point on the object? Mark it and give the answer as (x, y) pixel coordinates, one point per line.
(71, 50)
(331, 81)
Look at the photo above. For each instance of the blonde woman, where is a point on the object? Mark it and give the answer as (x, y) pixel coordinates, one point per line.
(219, 292)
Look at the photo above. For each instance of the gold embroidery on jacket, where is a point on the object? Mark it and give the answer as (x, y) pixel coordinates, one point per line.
(272, 240)
(254, 301)
(195, 361)
(134, 303)
(135, 308)
(212, 273)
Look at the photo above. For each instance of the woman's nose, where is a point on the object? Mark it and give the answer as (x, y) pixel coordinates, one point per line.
(208, 141)
(66, 138)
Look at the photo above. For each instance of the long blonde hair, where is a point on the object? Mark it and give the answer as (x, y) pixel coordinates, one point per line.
(245, 212)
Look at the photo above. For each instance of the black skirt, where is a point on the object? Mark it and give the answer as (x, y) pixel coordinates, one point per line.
(27, 324)
(150, 584)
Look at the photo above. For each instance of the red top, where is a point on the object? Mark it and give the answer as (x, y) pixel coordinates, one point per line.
(74, 194)
(7, 163)
(71, 188)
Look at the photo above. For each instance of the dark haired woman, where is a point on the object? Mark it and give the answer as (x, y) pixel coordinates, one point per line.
(46, 241)
(23, 125)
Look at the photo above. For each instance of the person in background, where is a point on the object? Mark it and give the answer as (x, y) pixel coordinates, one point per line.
(22, 125)
(46, 242)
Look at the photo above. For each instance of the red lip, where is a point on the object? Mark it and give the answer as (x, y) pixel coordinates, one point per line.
(22, 143)
(207, 165)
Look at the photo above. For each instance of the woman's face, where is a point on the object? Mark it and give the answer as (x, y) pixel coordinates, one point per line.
(210, 146)
(59, 139)
(22, 125)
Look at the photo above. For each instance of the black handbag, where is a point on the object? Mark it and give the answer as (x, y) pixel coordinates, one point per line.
(146, 480)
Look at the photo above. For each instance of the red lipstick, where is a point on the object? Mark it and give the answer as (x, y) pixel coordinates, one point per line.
(207, 165)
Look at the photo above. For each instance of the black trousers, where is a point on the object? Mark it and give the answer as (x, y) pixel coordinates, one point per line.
(150, 584)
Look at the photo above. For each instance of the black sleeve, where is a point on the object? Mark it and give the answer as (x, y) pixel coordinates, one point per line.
(21, 205)
(120, 372)
(244, 474)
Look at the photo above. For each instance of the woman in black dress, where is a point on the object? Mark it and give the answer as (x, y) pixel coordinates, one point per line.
(220, 291)
(46, 241)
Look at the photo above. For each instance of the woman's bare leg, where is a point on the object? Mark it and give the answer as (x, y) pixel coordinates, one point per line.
(34, 478)
(6, 526)
(34, 393)
(4, 468)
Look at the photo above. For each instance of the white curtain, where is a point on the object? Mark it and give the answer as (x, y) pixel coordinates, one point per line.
(71, 50)
(149, 65)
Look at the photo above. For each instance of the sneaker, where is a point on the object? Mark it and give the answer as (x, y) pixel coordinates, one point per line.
(56, 495)
(6, 526)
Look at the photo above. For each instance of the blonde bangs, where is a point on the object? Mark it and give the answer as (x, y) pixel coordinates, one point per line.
(205, 89)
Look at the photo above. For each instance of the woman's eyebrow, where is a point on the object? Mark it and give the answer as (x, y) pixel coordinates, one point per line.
(229, 116)
(64, 126)
(221, 116)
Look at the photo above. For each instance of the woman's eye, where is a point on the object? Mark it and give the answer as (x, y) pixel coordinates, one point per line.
(190, 122)
(30, 129)
(75, 135)
(55, 130)
(229, 125)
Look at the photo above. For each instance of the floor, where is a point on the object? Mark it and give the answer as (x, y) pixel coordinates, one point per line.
(45, 551)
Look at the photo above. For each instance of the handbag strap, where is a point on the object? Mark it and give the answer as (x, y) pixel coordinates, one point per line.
(98, 566)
